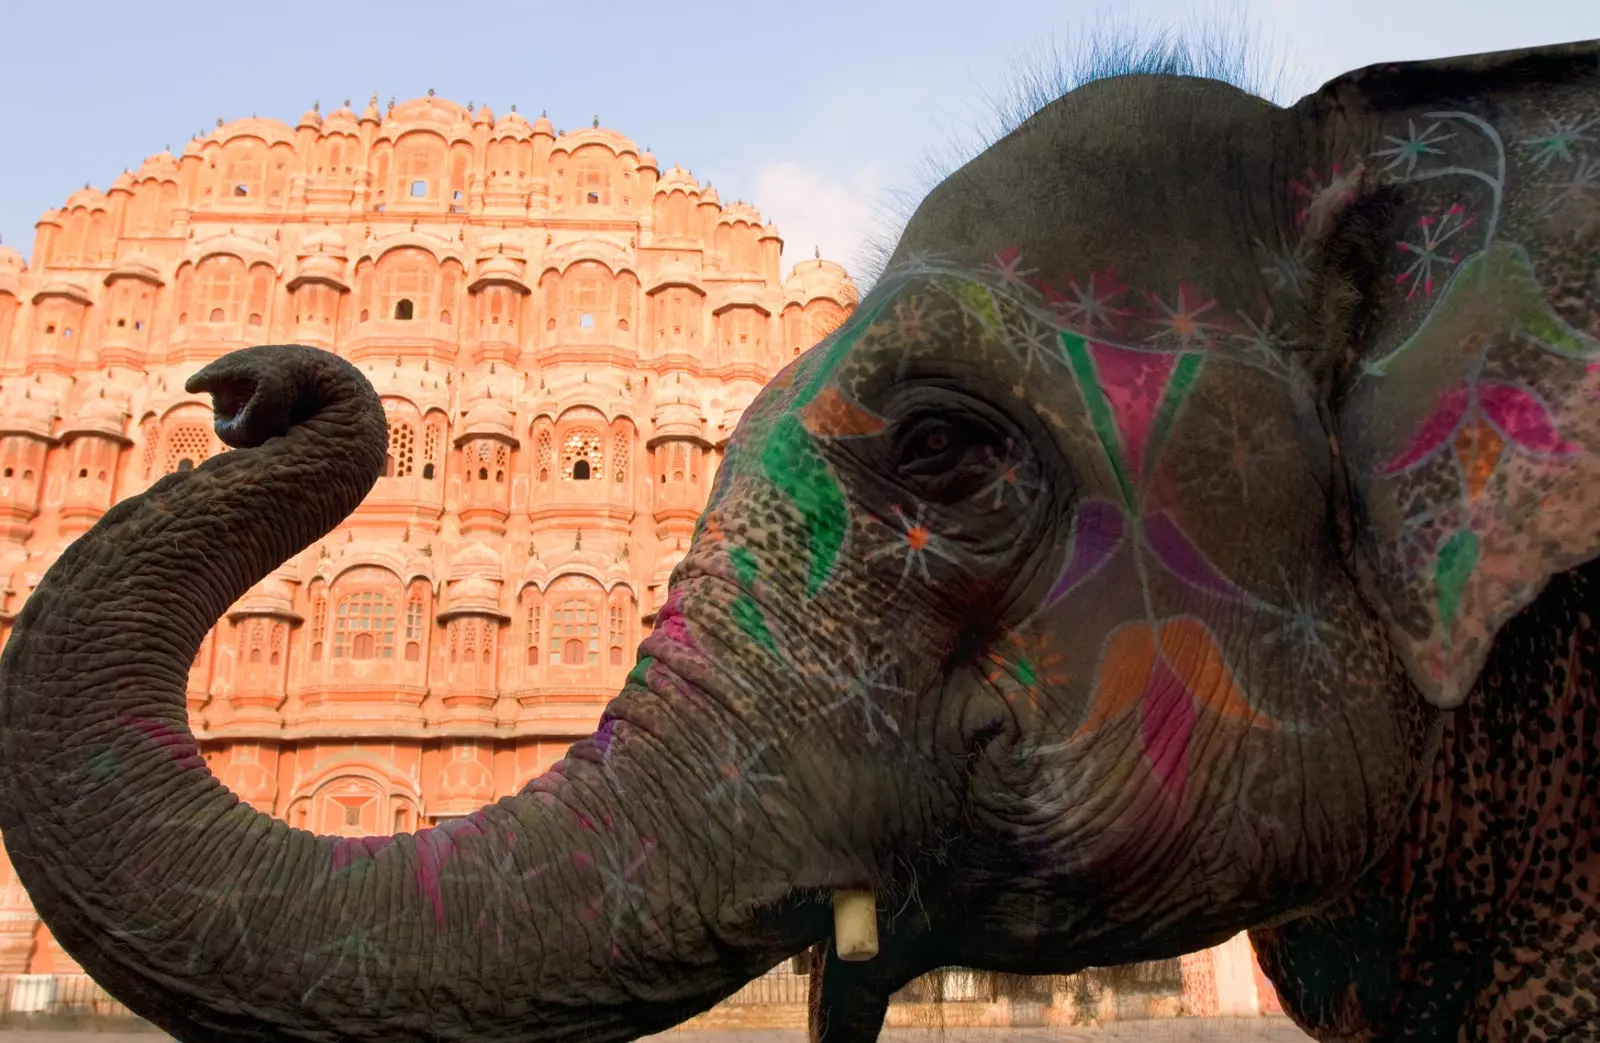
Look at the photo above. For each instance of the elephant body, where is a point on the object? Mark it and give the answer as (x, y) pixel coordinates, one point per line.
(1194, 530)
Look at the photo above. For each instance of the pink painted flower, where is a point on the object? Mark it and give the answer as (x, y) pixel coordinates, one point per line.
(1479, 421)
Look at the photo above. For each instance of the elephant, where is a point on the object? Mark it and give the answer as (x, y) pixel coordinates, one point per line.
(1194, 530)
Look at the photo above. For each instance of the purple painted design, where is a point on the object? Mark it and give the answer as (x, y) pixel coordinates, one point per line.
(1523, 419)
(349, 850)
(434, 849)
(1183, 559)
(1097, 533)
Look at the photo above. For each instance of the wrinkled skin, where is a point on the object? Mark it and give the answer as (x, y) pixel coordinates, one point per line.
(1161, 550)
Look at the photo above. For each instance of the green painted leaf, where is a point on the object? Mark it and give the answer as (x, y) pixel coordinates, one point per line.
(1457, 558)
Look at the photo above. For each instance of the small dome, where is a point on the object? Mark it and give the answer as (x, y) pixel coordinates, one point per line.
(487, 416)
(812, 279)
(370, 114)
(92, 198)
(484, 115)
(273, 596)
(310, 118)
(542, 125)
(679, 420)
(474, 557)
(740, 211)
(271, 131)
(28, 409)
(135, 265)
(102, 413)
(429, 110)
(322, 241)
(677, 178)
(123, 183)
(11, 268)
(512, 125)
(647, 161)
(162, 166)
(340, 121)
(474, 594)
(709, 194)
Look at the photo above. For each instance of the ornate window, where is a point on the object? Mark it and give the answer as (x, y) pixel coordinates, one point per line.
(402, 449)
(575, 633)
(364, 627)
(220, 288)
(534, 621)
(619, 457)
(449, 279)
(545, 456)
(581, 458)
(150, 431)
(432, 437)
(187, 445)
(319, 623)
(414, 627)
(678, 460)
(406, 277)
(588, 297)
(592, 184)
(619, 631)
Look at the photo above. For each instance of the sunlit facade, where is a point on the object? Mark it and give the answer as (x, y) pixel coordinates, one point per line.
(564, 337)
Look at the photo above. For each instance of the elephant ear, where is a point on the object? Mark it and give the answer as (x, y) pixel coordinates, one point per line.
(1470, 420)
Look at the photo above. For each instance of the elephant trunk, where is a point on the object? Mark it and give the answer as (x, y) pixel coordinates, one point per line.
(539, 917)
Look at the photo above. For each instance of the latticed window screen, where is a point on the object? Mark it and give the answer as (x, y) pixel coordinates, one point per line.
(545, 456)
(575, 633)
(619, 632)
(432, 436)
(552, 302)
(151, 432)
(402, 449)
(487, 652)
(678, 458)
(414, 627)
(257, 643)
(319, 623)
(625, 295)
(187, 445)
(535, 613)
(502, 461)
(581, 446)
(619, 457)
(364, 627)
(447, 293)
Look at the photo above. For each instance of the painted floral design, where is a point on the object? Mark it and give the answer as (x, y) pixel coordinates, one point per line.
(1478, 421)
(1025, 666)
(1428, 251)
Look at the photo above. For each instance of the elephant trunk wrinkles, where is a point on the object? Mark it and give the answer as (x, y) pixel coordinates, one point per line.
(526, 921)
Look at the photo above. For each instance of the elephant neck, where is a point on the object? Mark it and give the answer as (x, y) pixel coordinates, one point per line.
(1503, 843)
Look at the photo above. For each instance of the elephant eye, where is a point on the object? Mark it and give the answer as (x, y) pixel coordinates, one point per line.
(946, 460)
(931, 446)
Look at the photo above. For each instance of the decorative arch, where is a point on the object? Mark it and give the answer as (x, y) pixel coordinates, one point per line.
(220, 289)
(407, 284)
(575, 603)
(366, 618)
(420, 160)
(188, 438)
(356, 797)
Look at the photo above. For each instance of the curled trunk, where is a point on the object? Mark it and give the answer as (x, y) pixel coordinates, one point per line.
(540, 917)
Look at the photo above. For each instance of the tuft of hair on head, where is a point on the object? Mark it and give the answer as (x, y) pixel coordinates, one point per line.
(1223, 45)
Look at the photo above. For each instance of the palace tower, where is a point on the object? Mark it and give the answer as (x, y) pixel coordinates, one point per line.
(564, 336)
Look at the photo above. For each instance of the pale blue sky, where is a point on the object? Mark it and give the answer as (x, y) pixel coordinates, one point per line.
(811, 110)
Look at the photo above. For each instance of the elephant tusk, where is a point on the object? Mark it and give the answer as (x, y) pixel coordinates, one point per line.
(855, 925)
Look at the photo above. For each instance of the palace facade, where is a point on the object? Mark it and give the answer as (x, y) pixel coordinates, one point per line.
(564, 336)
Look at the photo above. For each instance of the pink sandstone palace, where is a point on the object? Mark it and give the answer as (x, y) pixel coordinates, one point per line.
(564, 334)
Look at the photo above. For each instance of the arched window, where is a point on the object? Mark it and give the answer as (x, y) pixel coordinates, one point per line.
(403, 309)
(619, 631)
(319, 623)
(187, 445)
(414, 626)
(402, 449)
(581, 446)
(545, 456)
(575, 633)
(364, 626)
(533, 625)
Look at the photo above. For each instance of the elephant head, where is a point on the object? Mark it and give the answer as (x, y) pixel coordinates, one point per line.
(1100, 589)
